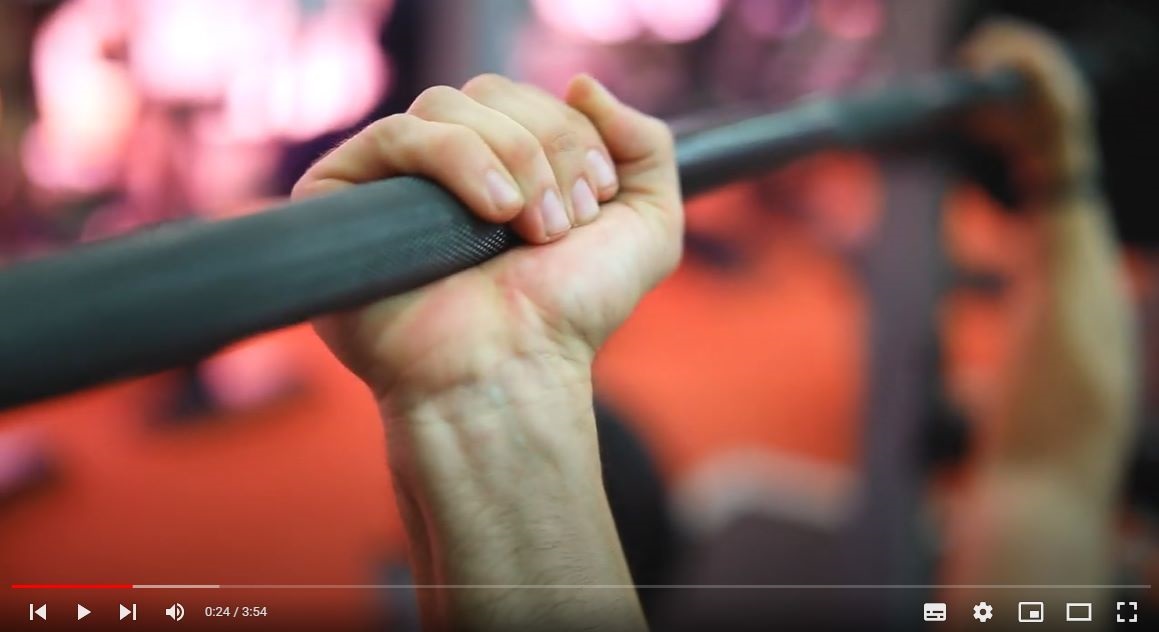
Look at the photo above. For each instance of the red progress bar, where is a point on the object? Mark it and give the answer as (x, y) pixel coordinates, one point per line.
(72, 586)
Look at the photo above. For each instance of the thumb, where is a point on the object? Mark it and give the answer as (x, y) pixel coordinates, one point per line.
(631, 136)
(644, 151)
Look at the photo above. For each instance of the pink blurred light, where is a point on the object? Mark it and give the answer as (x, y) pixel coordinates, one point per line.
(605, 21)
(839, 66)
(340, 75)
(109, 221)
(252, 372)
(270, 70)
(222, 174)
(647, 81)
(327, 78)
(775, 18)
(49, 164)
(247, 116)
(86, 104)
(375, 10)
(679, 21)
(23, 457)
(188, 50)
(550, 62)
(852, 19)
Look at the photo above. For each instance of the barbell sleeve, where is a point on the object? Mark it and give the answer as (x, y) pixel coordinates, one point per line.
(169, 295)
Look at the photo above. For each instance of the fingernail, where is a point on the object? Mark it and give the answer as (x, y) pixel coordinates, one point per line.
(502, 192)
(583, 200)
(555, 219)
(601, 169)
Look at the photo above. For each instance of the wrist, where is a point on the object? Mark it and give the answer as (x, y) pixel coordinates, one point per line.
(503, 487)
(505, 471)
(530, 414)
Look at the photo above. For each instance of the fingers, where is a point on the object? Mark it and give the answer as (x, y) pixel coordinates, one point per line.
(645, 152)
(631, 135)
(1049, 134)
(508, 151)
(453, 155)
(1053, 77)
(545, 216)
(579, 159)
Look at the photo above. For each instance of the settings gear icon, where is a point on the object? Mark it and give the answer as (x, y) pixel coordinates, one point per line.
(983, 612)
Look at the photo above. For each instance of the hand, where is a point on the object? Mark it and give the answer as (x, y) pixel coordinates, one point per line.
(484, 377)
(1037, 503)
(1048, 136)
(591, 184)
(1068, 387)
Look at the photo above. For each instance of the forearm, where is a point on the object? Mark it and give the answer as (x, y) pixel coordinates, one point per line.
(1038, 504)
(1071, 388)
(1026, 528)
(500, 485)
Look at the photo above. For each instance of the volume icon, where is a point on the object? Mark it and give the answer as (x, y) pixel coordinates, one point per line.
(175, 612)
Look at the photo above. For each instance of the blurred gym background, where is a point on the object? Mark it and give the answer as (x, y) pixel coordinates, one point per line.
(811, 369)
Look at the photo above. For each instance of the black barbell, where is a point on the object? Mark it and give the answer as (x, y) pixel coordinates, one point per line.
(169, 295)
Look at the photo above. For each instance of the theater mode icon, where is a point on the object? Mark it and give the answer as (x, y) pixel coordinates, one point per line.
(934, 612)
(1031, 612)
(1079, 612)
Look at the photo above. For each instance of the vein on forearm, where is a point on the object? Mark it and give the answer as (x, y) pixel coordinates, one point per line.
(506, 476)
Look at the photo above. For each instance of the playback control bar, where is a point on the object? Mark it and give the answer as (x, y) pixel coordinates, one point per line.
(39, 612)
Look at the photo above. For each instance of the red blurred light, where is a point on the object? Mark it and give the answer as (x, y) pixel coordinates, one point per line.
(852, 19)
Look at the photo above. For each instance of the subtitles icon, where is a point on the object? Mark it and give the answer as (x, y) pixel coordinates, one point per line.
(1078, 612)
(1031, 612)
(934, 612)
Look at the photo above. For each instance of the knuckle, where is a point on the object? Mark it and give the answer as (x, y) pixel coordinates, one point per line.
(562, 140)
(485, 84)
(520, 150)
(576, 120)
(392, 129)
(449, 140)
(560, 129)
(433, 99)
(661, 136)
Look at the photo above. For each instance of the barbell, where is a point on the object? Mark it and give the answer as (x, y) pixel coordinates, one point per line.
(169, 295)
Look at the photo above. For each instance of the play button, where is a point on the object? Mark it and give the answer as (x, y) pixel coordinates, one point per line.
(81, 612)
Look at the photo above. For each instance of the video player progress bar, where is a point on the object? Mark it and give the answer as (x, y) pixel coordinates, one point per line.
(532, 586)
